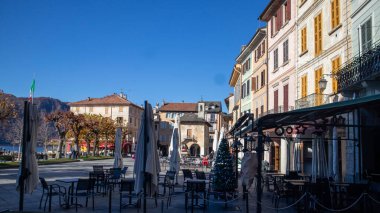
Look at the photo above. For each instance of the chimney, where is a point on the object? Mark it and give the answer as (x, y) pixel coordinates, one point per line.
(243, 48)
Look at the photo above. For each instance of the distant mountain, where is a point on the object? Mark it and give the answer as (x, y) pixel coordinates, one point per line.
(44, 105)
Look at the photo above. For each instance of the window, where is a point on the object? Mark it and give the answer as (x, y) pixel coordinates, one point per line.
(263, 78)
(91, 109)
(286, 98)
(275, 59)
(189, 133)
(262, 110)
(106, 110)
(317, 78)
(287, 10)
(318, 34)
(243, 91)
(257, 83)
(130, 121)
(303, 86)
(366, 33)
(286, 51)
(254, 84)
(335, 13)
(119, 120)
(248, 86)
(263, 48)
(201, 108)
(272, 26)
(247, 65)
(335, 69)
(279, 19)
(120, 109)
(303, 40)
(275, 101)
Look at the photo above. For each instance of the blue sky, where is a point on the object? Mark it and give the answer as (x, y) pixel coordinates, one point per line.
(172, 50)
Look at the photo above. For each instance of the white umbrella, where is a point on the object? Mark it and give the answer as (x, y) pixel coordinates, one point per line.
(118, 158)
(31, 166)
(176, 125)
(152, 166)
(221, 136)
(215, 142)
(174, 161)
(319, 164)
(248, 168)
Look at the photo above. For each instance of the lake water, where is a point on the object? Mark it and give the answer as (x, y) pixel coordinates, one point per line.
(15, 148)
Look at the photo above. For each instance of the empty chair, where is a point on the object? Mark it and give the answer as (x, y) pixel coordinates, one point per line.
(84, 188)
(100, 182)
(124, 171)
(127, 191)
(114, 177)
(200, 175)
(49, 191)
(187, 174)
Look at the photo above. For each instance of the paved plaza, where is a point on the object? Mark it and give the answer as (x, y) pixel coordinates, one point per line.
(9, 197)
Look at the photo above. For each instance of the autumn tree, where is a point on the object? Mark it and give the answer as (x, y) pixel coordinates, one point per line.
(87, 136)
(76, 124)
(108, 131)
(61, 124)
(7, 108)
(93, 123)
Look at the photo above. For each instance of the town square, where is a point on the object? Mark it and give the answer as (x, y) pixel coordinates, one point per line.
(190, 106)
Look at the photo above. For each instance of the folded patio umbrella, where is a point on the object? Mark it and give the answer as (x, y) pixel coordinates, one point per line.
(152, 166)
(174, 161)
(118, 158)
(31, 166)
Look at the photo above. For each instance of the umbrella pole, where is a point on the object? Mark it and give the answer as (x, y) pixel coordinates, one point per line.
(146, 139)
(23, 173)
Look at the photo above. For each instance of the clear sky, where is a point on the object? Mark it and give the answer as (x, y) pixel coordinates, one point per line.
(172, 50)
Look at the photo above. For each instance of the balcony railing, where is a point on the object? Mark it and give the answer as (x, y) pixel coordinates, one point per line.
(364, 67)
(280, 109)
(312, 100)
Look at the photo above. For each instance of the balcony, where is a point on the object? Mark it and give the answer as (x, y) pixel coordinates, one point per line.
(312, 100)
(280, 109)
(365, 67)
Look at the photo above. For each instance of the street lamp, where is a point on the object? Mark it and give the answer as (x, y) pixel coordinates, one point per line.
(236, 146)
(322, 83)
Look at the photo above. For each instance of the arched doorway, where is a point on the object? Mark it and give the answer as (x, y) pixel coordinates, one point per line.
(195, 150)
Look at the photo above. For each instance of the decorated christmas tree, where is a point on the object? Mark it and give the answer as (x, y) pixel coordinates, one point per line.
(224, 176)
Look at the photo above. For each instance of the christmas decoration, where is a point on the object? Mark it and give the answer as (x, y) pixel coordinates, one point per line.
(224, 175)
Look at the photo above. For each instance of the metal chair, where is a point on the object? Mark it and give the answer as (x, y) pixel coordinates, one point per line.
(127, 191)
(51, 190)
(187, 174)
(84, 188)
(100, 182)
(124, 171)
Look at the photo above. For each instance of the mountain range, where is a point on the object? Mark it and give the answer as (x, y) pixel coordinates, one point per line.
(10, 130)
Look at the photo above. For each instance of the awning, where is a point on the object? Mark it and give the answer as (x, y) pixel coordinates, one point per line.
(307, 115)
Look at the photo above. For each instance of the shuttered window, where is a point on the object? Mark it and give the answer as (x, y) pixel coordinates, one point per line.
(335, 13)
(286, 98)
(318, 34)
(317, 78)
(275, 101)
(303, 40)
(303, 86)
(248, 86)
(285, 51)
(335, 68)
(275, 57)
(253, 84)
(262, 78)
(287, 10)
(366, 35)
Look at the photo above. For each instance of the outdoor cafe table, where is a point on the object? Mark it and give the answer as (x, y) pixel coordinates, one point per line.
(71, 181)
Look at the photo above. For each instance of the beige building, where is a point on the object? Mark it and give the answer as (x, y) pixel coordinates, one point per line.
(235, 82)
(194, 135)
(115, 106)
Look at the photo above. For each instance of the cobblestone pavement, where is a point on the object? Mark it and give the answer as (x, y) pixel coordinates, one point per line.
(9, 197)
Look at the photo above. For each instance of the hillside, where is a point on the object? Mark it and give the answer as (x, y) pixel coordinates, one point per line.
(9, 130)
